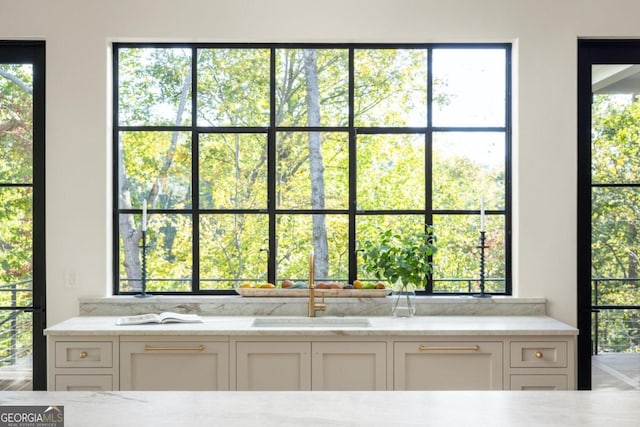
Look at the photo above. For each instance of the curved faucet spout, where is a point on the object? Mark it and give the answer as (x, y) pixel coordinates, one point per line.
(313, 306)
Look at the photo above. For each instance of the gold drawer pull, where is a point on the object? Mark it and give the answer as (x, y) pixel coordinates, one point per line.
(539, 355)
(152, 348)
(448, 348)
(83, 354)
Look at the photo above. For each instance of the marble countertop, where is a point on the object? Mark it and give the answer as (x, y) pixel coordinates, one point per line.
(378, 325)
(371, 409)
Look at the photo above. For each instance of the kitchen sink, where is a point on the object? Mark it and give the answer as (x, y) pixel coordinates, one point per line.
(310, 322)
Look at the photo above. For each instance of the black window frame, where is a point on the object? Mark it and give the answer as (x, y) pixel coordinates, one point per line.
(34, 52)
(429, 130)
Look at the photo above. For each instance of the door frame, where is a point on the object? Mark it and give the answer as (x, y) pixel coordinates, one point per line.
(590, 51)
(33, 52)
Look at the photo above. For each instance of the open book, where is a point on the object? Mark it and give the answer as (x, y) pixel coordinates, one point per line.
(166, 317)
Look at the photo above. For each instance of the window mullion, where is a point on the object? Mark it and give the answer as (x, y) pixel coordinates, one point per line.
(428, 152)
(271, 170)
(195, 175)
(353, 255)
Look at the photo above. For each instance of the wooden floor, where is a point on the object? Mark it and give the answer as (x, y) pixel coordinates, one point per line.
(615, 371)
(17, 377)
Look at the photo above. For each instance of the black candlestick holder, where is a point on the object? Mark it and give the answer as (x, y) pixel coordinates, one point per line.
(482, 247)
(143, 279)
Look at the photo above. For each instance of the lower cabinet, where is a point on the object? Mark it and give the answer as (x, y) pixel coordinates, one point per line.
(349, 366)
(313, 362)
(273, 365)
(283, 365)
(77, 363)
(447, 365)
(539, 364)
(174, 365)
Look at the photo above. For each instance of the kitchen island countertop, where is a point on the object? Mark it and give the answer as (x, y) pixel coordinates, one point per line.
(393, 408)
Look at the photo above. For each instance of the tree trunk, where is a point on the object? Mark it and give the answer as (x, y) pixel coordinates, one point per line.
(320, 245)
(130, 232)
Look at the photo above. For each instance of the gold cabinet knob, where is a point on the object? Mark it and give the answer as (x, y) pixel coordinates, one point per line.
(83, 354)
(539, 355)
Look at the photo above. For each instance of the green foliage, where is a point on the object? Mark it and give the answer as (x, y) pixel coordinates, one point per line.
(404, 258)
(233, 87)
(16, 227)
(16, 219)
(615, 220)
(150, 86)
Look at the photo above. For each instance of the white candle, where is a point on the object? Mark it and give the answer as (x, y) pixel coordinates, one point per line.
(144, 215)
(482, 219)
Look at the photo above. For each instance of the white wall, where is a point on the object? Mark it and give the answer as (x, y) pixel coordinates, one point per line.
(545, 33)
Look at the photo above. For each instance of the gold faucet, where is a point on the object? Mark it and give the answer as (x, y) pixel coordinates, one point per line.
(313, 306)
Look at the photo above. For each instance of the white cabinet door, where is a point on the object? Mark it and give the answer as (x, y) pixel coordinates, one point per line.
(174, 365)
(273, 365)
(448, 365)
(349, 366)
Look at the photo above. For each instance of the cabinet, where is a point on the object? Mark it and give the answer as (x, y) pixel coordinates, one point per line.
(79, 363)
(285, 365)
(172, 364)
(448, 365)
(273, 365)
(540, 365)
(227, 354)
(349, 366)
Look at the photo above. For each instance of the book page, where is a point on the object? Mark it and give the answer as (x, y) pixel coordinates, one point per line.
(137, 320)
(168, 317)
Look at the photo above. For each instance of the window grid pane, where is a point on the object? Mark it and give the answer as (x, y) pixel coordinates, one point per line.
(262, 164)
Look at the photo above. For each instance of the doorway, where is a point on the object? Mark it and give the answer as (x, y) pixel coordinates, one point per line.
(22, 216)
(609, 214)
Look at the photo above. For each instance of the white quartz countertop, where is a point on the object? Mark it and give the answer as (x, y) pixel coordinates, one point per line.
(378, 325)
(371, 409)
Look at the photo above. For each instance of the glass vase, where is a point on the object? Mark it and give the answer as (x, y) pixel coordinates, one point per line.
(404, 303)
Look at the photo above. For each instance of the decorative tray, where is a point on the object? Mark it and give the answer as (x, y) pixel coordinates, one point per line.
(346, 293)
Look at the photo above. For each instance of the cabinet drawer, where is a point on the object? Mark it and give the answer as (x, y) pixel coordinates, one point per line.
(84, 383)
(84, 354)
(539, 354)
(539, 382)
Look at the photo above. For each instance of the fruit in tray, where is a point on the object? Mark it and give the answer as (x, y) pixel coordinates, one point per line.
(299, 285)
(287, 283)
(328, 285)
(264, 285)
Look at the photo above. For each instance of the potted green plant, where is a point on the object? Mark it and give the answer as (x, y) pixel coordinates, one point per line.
(404, 260)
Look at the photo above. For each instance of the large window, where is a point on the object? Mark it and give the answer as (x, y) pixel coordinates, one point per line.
(250, 156)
